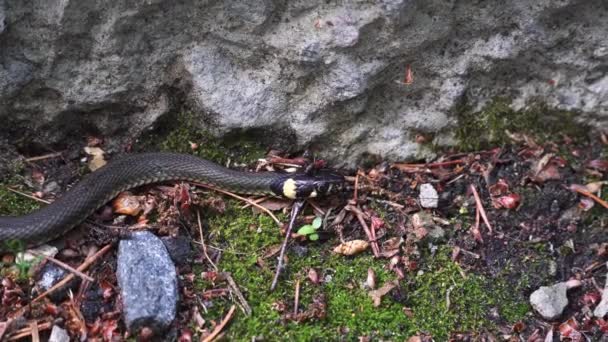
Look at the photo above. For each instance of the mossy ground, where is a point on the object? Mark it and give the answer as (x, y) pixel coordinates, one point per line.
(177, 134)
(488, 127)
(245, 237)
(14, 204)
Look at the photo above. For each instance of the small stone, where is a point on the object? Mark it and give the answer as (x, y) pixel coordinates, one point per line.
(148, 282)
(59, 335)
(550, 301)
(50, 275)
(428, 196)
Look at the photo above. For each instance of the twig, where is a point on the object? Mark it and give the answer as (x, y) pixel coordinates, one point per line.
(430, 165)
(361, 217)
(593, 197)
(221, 326)
(316, 207)
(235, 288)
(46, 156)
(28, 196)
(296, 300)
(200, 230)
(257, 201)
(482, 211)
(88, 262)
(35, 333)
(356, 187)
(391, 203)
(455, 179)
(295, 210)
(65, 266)
(25, 332)
(242, 199)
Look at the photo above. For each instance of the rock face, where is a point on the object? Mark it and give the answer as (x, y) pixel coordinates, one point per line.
(325, 74)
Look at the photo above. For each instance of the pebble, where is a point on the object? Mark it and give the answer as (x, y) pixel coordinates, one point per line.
(59, 335)
(428, 196)
(550, 301)
(148, 283)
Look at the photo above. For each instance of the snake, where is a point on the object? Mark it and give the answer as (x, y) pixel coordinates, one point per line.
(99, 187)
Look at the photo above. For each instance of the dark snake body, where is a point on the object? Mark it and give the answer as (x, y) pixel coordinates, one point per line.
(99, 187)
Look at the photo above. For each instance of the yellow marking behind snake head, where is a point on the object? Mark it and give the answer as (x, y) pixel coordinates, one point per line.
(304, 186)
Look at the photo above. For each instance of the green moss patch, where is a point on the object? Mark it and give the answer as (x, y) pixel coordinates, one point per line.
(246, 237)
(12, 204)
(178, 133)
(489, 126)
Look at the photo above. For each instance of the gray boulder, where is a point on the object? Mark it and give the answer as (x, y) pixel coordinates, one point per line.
(329, 74)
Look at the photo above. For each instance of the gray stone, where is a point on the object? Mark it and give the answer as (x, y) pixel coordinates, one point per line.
(324, 73)
(59, 335)
(428, 196)
(550, 301)
(50, 275)
(148, 282)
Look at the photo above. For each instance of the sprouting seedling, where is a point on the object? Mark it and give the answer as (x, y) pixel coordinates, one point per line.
(17, 247)
(310, 230)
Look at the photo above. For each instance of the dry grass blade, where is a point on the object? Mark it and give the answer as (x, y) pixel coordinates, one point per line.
(220, 326)
(88, 262)
(482, 211)
(43, 157)
(593, 197)
(242, 199)
(26, 195)
(361, 217)
(295, 210)
(239, 295)
(200, 230)
(67, 267)
(296, 301)
(25, 332)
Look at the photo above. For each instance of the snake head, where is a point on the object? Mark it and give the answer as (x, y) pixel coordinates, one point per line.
(301, 186)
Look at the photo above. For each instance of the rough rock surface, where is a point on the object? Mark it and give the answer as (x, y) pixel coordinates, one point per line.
(148, 282)
(325, 74)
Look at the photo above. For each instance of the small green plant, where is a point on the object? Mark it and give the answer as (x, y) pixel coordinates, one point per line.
(23, 266)
(310, 230)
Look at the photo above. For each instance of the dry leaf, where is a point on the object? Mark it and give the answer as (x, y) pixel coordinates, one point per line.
(351, 247)
(594, 187)
(97, 159)
(377, 294)
(127, 204)
(390, 247)
(313, 276)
